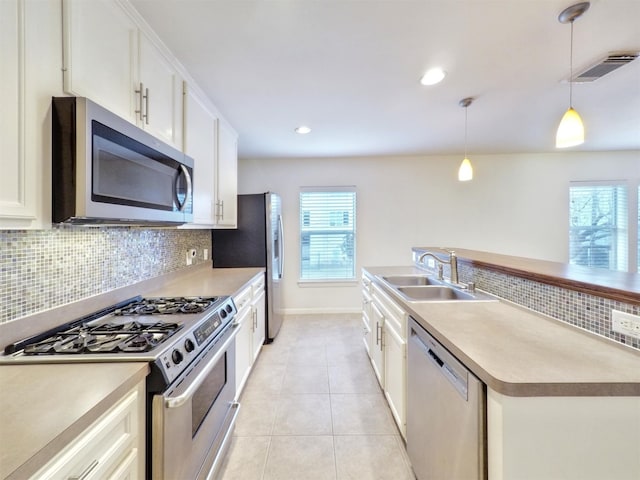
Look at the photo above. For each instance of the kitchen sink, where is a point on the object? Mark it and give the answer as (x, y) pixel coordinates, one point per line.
(433, 293)
(408, 280)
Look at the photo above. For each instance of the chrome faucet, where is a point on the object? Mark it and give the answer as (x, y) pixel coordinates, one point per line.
(453, 263)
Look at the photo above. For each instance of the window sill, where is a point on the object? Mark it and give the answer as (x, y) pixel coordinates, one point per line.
(327, 283)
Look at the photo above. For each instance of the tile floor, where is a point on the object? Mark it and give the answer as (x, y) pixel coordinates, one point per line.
(312, 409)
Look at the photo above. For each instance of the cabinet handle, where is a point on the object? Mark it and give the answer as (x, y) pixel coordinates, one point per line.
(143, 103)
(146, 106)
(377, 335)
(85, 472)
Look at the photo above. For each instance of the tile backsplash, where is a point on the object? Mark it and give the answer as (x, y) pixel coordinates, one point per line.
(42, 269)
(582, 310)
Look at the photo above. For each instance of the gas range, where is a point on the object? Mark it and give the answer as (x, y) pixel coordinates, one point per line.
(168, 332)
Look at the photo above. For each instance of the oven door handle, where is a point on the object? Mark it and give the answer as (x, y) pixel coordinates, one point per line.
(179, 400)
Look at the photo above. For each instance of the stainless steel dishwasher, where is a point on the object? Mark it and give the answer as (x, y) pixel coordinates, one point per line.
(446, 413)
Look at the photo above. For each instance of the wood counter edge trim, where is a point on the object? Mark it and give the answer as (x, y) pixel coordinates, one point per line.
(578, 286)
(53, 448)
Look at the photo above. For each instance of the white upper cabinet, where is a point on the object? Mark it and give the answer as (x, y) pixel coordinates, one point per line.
(200, 144)
(100, 54)
(110, 60)
(160, 100)
(227, 177)
(30, 60)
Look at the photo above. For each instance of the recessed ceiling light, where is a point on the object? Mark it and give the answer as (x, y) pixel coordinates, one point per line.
(433, 76)
(303, 130)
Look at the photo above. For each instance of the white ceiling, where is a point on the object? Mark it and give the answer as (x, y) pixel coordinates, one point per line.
(350, 69)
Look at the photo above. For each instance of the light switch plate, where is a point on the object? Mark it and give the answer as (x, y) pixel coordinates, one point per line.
(625, 323)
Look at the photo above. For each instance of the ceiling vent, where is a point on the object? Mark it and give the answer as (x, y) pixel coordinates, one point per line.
(604, 66)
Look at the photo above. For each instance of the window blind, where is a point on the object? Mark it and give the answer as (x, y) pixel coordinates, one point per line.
(599, 225)
(327, 233)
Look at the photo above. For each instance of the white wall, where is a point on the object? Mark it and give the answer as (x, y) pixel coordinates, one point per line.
(516, 205)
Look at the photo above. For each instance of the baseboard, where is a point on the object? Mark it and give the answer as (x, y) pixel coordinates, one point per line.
(320, 311)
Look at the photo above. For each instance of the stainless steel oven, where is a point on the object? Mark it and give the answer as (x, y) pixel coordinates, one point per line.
(193, 420)
(189, 343)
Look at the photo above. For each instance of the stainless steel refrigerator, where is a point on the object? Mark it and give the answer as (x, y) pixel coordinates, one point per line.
(257, 242)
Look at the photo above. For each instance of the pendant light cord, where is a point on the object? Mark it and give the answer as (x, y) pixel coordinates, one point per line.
(571, 68)
(465, 132)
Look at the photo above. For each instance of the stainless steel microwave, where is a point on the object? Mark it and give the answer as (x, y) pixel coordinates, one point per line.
(105, 170)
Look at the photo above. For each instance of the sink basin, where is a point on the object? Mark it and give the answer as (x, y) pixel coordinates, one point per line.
(408, 280)
(432, 293)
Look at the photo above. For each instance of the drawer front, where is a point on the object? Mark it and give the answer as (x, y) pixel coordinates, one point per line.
(243, 299)
(104, 449)
(257, 287)
(391, 311)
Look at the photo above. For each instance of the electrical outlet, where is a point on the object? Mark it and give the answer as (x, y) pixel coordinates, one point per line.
(431, 263)
(205, 253)
(625, 323)
(191, 254)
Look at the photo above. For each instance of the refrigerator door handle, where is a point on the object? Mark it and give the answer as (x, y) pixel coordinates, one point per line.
(281, 244)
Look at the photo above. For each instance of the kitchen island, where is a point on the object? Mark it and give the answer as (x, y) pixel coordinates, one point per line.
(560, 402)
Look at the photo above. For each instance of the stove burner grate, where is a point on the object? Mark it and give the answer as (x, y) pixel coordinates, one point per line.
(166, 306)
(110, 338)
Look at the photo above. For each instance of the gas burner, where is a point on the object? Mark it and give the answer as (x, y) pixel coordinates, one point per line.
(106, 338)
(166, 306)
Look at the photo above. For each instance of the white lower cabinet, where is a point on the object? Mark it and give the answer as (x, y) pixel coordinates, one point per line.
(112, 447)
(376, 349)
(244, 351)
(573, 438)
(385, 332)
(251, 306)
(395, 373)
(258, 309)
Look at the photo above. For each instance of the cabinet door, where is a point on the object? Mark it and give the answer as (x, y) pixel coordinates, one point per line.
(259, 312)
(376, 351)
(199, 143)
(161, 100)
(100, 54)
(30, 58)
(244, 351)
(395, 365)
(227, 177)
(367, 332)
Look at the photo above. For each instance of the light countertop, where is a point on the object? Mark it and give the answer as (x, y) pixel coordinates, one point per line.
(518, 352)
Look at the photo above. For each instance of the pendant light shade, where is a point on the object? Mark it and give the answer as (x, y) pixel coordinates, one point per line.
(465, 172)
(571, 129)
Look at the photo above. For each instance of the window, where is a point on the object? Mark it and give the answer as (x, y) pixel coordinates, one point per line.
(327, 233)
(599, 218)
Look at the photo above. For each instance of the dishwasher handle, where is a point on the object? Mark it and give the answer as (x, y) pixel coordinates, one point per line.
(435, 357)
(459, 382)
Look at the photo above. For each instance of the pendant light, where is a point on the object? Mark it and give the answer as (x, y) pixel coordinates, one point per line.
(571, 129)
(465, 172)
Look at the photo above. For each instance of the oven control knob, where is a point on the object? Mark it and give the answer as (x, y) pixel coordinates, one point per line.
(223, 314)
(188, 345)
(229, 309)
(176, 356)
